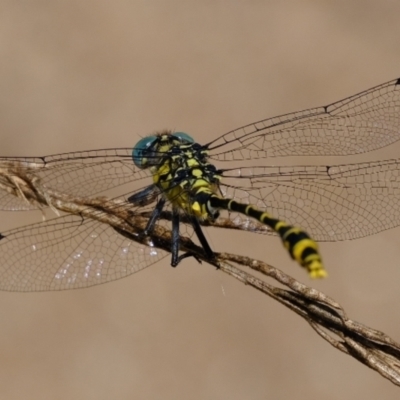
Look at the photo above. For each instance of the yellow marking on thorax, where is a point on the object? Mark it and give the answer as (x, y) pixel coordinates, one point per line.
(192, 162)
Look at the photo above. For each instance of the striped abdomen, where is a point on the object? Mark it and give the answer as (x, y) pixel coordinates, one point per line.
(301, 247)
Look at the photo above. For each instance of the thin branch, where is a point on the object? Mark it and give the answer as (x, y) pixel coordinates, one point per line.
(329, 320)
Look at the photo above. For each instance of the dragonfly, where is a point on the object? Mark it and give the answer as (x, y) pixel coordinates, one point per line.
(188, 185)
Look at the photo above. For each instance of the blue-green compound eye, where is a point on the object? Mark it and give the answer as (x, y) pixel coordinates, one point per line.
(183, 137)
(139, 150)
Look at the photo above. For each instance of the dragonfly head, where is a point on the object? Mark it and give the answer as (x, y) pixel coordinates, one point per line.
(152, 147)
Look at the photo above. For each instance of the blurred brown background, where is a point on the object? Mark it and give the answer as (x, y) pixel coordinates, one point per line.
(95, 74)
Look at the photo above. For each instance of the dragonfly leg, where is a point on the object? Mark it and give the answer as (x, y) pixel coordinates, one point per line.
(175, 239)
(154, 217)
(200, 235)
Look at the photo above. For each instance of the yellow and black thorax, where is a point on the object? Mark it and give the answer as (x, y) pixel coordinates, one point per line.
(181, 171)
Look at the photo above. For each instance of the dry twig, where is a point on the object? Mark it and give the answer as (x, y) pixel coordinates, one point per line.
(371, 347)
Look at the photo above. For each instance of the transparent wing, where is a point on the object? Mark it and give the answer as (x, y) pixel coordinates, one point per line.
(331, 203)
(364, 122)
(84, 173)
(69, 253)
